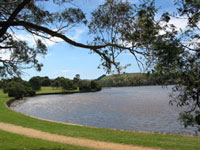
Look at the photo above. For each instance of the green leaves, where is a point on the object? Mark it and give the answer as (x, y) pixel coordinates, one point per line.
(20, 55)
(18, 88)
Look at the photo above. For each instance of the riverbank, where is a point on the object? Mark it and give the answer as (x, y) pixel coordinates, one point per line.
(125, 137)
(47, 90)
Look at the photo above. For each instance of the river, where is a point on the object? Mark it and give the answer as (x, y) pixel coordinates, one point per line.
(144, 108)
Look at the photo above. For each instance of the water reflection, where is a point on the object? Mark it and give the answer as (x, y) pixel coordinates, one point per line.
(131, 108)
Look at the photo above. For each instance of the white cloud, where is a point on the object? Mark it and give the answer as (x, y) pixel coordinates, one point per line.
(76, 34)
(179, 23)
(4, 54)
(30, 39)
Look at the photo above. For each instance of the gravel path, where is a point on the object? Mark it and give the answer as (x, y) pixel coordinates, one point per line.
(68, 140)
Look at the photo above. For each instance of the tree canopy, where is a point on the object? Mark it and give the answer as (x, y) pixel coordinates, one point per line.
(117, 27)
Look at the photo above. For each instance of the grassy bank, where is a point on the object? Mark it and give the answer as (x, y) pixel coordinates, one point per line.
(10, 141)
(176, 142)
(49, 89)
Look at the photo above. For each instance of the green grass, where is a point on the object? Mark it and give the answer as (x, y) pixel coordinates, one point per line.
(176, 142)
(49, 89)
(9, 141)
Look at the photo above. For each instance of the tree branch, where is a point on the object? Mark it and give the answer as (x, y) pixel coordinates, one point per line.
(66, 39)
(13, 16)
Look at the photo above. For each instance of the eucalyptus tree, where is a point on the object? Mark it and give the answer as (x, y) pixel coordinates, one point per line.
(127, 27)
(179, 61)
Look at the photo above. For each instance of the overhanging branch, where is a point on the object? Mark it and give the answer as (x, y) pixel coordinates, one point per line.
(13, 16)
(63, 37)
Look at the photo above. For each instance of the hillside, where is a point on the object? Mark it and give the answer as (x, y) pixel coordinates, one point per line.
(127, 79)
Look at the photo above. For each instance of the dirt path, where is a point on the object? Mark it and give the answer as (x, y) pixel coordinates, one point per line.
(68, 140)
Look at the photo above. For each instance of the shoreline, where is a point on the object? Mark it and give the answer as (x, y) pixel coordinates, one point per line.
(8, 104)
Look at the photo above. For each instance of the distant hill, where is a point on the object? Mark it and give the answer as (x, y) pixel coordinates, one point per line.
(99, 78)
(127, 79)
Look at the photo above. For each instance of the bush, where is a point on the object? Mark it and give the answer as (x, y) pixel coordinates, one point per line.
(1, 84)
(67, 84)
(29, 91)
(35, 83)
(45, 81)
(18, 90)
(95, 86)
(55, 84)
(85, 85)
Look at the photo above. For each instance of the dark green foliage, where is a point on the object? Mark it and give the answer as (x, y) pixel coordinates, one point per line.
(95, 86)
(76, 80)
(35, 83)
(15, 89)
(29, 91)
(55, 84)
(1, 84)
(67, 84)
(45, 81)
(75, 84)
(18, 89)
(85, 85)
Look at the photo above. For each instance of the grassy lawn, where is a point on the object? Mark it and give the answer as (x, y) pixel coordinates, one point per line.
(49, 89)
(176, 142)
(10, 141)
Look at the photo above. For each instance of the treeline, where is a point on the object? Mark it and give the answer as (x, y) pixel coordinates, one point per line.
(130, 79)
(18, 88)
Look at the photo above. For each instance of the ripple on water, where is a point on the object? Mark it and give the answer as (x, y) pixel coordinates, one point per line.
(131, 108)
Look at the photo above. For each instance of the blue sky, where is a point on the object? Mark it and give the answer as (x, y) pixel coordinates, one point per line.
(65, 60)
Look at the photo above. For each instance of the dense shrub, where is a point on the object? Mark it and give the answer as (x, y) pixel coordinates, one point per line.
(67, 84)
(85, 85)
(18, 90)
(45, 81)
(1, 84)
(76, 80)
(55, 84)
(29, 91)
(95, 86)
(35, 83)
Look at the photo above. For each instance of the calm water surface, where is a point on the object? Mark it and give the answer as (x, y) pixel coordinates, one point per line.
(131, 108)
